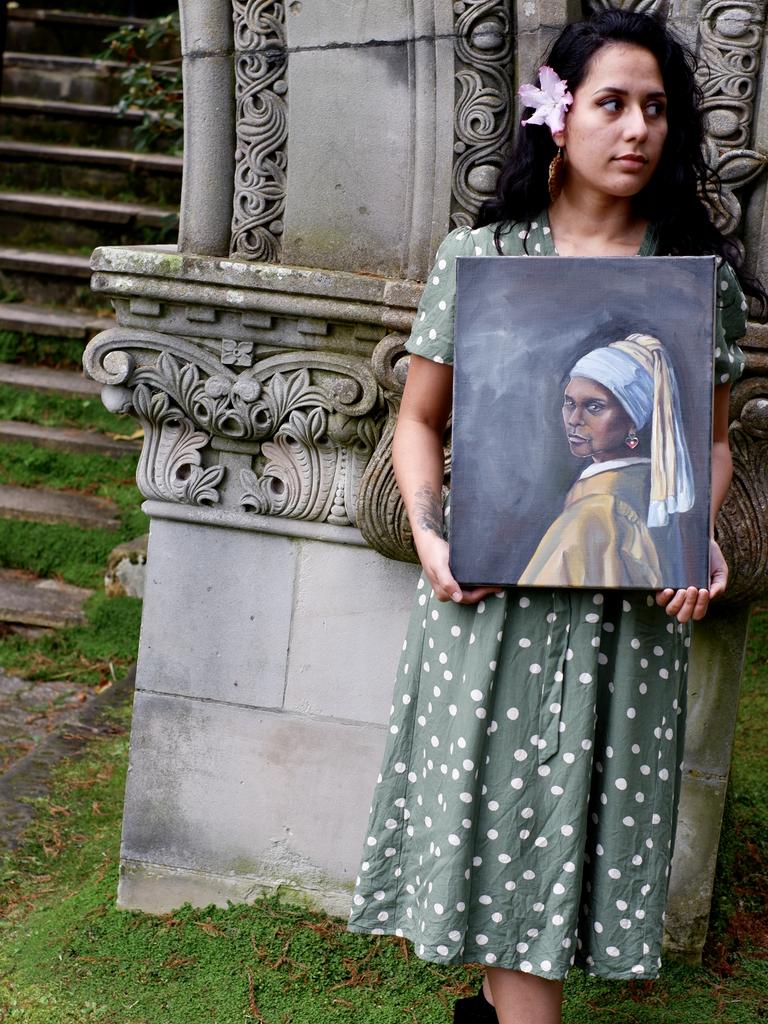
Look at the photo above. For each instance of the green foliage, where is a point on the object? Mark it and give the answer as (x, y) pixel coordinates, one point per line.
(153, 86)
(62, 411)
(741, 884)
(68, 955)
(40, 350)
(96, 653)
(71, 553)
(109, 642)
(27, 465)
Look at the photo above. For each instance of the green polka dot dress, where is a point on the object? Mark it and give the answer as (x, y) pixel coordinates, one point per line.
(525, 812)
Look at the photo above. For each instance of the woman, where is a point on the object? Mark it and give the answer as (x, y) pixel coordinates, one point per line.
(526, 807)
(614, 529)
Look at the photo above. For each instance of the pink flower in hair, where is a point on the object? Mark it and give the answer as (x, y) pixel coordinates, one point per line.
(551, 100)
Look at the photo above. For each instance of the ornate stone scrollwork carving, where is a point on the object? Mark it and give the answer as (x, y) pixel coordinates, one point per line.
(170, 463)
(735, 168)
(111, 356)
(731, 40)
(262, 128)
(381, 515)
(313, 467)
(731, 37)
(484, 109)
(742, 524)
(657, 7)
(311, 421)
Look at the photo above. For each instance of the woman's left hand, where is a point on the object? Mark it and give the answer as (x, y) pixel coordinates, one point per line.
(693, 603)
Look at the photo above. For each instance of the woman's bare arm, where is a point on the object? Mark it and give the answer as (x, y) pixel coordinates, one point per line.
(417, 455)
(693, 603)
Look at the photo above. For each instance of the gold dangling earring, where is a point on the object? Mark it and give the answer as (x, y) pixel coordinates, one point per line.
(556, 171)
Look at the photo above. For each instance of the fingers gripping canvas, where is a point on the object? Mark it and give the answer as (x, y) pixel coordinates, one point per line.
(582, 421)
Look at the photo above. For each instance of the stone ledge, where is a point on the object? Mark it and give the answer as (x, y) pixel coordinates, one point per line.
(284, 527)
(165, 263)
(161, 888)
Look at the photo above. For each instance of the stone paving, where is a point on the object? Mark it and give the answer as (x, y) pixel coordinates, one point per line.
(30, 710)
(42, 723)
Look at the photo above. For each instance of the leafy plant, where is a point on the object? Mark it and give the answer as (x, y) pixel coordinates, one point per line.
(153, 86)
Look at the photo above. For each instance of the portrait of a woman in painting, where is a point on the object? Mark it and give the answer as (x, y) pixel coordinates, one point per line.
(620, 522)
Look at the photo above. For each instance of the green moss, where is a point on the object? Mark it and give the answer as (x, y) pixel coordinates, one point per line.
(41, 350)
(60, 411)
(67, 954)
(25, 464)
(170, 264)
(71, 553)
(95, 653)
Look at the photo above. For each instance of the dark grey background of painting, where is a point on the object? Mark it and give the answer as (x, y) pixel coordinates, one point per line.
(521, 324)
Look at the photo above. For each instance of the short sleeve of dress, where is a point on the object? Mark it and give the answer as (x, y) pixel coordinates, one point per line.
(432, 333)
(730, 325)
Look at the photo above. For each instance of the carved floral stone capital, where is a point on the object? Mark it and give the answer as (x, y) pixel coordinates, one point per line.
(742, 525)
(299, 428)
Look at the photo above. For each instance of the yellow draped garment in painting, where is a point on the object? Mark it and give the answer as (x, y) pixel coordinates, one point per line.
(600, 539)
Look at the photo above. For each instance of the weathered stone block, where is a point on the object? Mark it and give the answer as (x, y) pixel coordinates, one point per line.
(714, 683)
(256, 795)
(339, 23)
(693, 865)
(345, 213)
(217, 612)
(341, 592)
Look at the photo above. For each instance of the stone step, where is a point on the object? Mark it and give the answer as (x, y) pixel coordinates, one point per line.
(51, 382)
(43, 506)
(116, 8)
(48, 278)
(73, 222)
(67, 439)
(36, 602)
(29, 776)
(84, 124)
(155, 177)
(34, 261)
(30, 710)
(101, 211)
(27, 318)
(77, 33)
(59, 77)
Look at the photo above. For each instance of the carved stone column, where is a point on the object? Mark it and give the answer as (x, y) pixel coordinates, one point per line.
(329, 147)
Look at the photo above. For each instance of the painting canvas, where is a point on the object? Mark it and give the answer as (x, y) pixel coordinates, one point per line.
(582, 421)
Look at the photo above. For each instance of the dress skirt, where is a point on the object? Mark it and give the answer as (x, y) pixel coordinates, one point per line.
(525, 813)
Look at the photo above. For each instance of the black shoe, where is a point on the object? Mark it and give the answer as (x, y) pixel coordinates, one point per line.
(474, 1010)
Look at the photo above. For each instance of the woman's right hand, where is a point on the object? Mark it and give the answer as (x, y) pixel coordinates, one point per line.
(433, 554)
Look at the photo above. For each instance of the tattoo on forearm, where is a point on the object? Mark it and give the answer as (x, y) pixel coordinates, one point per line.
(429, 510)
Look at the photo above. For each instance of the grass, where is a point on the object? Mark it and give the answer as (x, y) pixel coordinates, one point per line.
(104, 648)
(94, 654)
(61, 411)
(71, 553)
(36, 349)
(67, 954)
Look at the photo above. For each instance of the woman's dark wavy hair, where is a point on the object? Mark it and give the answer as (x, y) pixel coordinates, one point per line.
(673, 199)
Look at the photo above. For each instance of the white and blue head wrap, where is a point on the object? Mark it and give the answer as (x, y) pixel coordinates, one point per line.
(624, 377)
(638, 372)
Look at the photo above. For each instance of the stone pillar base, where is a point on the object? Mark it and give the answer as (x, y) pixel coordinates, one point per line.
(264, 682)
